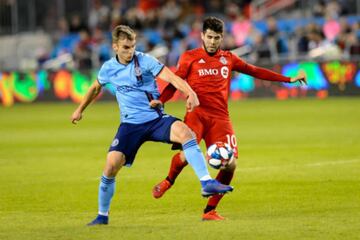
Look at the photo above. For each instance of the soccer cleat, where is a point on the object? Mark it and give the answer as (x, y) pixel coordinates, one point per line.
(213, 187)
(161, 188)
(212, 216)
(99, 220)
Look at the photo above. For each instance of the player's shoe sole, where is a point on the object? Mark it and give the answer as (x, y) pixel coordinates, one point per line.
(99, 220)
(214, 187)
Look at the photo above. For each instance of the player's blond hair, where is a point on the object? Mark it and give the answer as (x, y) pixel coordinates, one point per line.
(123, 32)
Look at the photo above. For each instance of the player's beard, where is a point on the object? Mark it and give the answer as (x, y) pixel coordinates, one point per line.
(210, 53)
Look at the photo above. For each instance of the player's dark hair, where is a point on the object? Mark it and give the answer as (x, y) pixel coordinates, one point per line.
(123, 32)
(214, 24)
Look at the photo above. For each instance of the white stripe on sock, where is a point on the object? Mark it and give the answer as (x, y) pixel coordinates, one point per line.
(205, 178)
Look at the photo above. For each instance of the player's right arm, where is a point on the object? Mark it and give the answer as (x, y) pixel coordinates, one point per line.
(91, 94)
(165, 96)
(167, 93)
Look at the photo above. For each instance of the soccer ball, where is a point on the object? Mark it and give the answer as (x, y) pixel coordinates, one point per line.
(219, 155)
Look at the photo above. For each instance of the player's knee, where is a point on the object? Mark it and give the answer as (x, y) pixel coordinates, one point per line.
(114, 162)
(181, 133)
(185, 134)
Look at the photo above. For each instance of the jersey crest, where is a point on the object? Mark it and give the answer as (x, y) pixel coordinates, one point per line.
(223, 60)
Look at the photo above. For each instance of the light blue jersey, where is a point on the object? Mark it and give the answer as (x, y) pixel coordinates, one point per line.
(132, 94)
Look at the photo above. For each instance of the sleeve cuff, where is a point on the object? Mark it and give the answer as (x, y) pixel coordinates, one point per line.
(160, 70)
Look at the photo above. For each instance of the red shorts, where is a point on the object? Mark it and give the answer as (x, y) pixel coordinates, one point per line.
(211, 130)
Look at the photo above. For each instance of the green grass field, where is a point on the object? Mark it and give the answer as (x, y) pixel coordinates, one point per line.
(298, 175)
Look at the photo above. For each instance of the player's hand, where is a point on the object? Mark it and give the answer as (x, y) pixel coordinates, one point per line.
(156, 103)
(76, 116)
(299, 78)
(192, 102)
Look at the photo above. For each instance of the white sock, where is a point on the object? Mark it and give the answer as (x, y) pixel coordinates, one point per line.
(104, 213)
(205, 178)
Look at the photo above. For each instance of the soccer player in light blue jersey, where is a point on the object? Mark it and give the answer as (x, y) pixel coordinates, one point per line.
(132, 75)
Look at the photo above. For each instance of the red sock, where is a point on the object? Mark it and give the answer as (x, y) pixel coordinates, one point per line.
(176, 167)
(225, 178)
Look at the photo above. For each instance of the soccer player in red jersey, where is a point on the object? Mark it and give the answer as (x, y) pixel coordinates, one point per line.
(208, 71)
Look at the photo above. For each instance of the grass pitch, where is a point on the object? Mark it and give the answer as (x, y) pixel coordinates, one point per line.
(298, 175)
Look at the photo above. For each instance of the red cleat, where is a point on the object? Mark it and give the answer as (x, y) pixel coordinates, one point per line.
(161, 188)
(212, 216)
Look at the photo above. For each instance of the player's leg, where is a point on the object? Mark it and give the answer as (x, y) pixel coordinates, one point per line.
(194, 122)
(115, 160)
(181, 133)
(122, 152)
(220, 131)
(171, 130)
(224, 176)
(178, 161)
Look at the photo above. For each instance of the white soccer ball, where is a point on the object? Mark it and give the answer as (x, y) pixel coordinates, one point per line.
(219, 155)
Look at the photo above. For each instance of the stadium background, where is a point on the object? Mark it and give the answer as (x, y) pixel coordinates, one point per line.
(51, 50)
(298, 169)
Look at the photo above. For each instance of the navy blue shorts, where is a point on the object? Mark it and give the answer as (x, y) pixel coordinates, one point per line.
(130, 137)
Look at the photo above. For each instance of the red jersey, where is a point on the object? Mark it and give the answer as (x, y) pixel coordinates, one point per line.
(210, 77)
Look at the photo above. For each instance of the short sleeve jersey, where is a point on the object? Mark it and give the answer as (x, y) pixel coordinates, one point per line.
(132, 94)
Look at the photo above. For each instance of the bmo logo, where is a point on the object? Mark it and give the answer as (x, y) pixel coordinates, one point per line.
(207, 72)
(213, 72)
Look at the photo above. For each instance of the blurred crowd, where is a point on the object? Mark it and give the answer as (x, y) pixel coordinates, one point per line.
(166, 28)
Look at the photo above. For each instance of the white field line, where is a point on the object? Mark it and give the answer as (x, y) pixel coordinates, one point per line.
(265, 168)
(319, 164)
(316, 164)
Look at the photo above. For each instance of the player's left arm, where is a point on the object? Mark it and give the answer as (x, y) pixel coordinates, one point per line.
(263, 73)
(192, 100)
(266, 74)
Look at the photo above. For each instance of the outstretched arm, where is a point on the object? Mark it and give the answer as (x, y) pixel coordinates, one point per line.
(92, 93)
(266, 74)
(192, 100)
